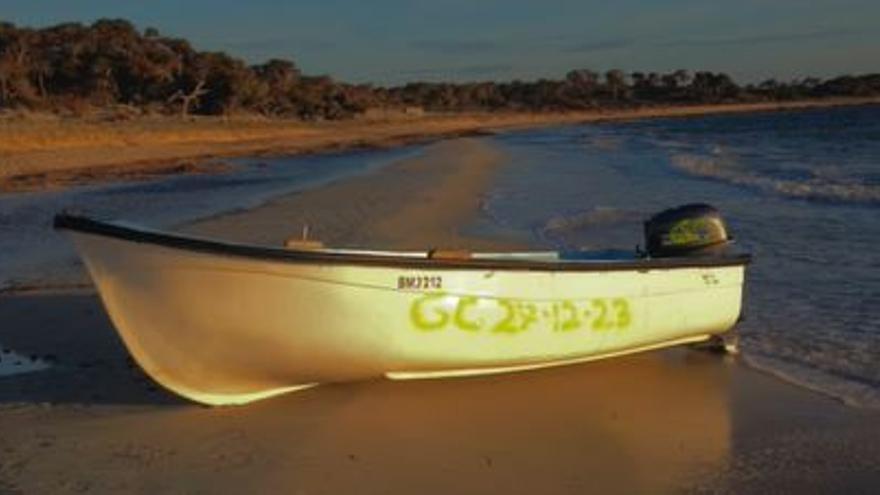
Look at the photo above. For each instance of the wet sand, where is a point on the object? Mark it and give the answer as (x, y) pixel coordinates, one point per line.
(48, 153)
(672, 421)
(417, 203)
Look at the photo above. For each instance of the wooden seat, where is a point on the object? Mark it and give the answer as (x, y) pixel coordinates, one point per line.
(303, 244)
(449, 254)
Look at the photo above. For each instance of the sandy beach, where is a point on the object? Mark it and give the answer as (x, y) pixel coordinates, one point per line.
(675, 421)
(47, 152)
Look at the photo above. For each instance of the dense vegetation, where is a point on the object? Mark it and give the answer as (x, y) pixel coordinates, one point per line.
(76, 68)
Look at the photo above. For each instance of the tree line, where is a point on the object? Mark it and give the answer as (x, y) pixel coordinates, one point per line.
(76, 67)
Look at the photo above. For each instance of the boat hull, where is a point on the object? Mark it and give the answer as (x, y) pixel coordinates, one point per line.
(229, 329)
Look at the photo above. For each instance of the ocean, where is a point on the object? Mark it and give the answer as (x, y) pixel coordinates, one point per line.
(800, 191)
(32, 255)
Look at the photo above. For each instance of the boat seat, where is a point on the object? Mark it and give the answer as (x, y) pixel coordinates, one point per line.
(303, 244)
(449, 254)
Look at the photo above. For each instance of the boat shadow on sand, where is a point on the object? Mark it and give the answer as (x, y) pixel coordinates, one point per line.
(85, 361)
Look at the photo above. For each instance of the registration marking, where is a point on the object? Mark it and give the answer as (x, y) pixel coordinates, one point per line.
(439, 311)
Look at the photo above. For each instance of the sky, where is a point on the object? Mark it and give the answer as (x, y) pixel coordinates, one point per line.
(396, 41)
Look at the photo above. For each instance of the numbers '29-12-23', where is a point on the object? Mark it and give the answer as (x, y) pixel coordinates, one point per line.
(439, 311)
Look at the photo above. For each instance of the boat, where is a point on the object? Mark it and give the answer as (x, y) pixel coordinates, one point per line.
(227, 323)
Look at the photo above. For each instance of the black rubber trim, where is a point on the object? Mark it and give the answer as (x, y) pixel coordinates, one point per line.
(87, 225)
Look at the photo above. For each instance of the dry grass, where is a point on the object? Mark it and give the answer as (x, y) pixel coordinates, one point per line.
(38, 133)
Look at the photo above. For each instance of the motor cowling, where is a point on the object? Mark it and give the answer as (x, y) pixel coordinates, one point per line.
(692, 229)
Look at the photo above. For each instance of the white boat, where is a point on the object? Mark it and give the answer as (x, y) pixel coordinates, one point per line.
(223, 323)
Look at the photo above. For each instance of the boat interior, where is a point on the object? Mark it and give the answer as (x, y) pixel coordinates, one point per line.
(312, 245)
(462, 254)
(303, 249)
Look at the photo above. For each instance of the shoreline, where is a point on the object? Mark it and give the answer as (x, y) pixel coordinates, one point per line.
(668, 421)
(382, 209)
(672, 420)
(52, 154)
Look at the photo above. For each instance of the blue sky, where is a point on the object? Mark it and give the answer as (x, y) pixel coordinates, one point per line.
(392, 41)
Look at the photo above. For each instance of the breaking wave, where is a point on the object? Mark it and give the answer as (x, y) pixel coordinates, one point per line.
(815, 185)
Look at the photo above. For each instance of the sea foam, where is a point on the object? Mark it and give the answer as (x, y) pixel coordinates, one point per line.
(818, 186)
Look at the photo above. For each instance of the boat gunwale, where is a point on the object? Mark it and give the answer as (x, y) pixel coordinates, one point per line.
(84, 224)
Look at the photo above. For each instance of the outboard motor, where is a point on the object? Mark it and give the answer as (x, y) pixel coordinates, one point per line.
(693, 229)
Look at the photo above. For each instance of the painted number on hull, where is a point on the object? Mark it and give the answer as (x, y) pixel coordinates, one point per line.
(419, 282)
(439, 311)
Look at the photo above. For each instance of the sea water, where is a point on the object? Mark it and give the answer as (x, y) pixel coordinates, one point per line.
(800, 191)
(32, 255)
